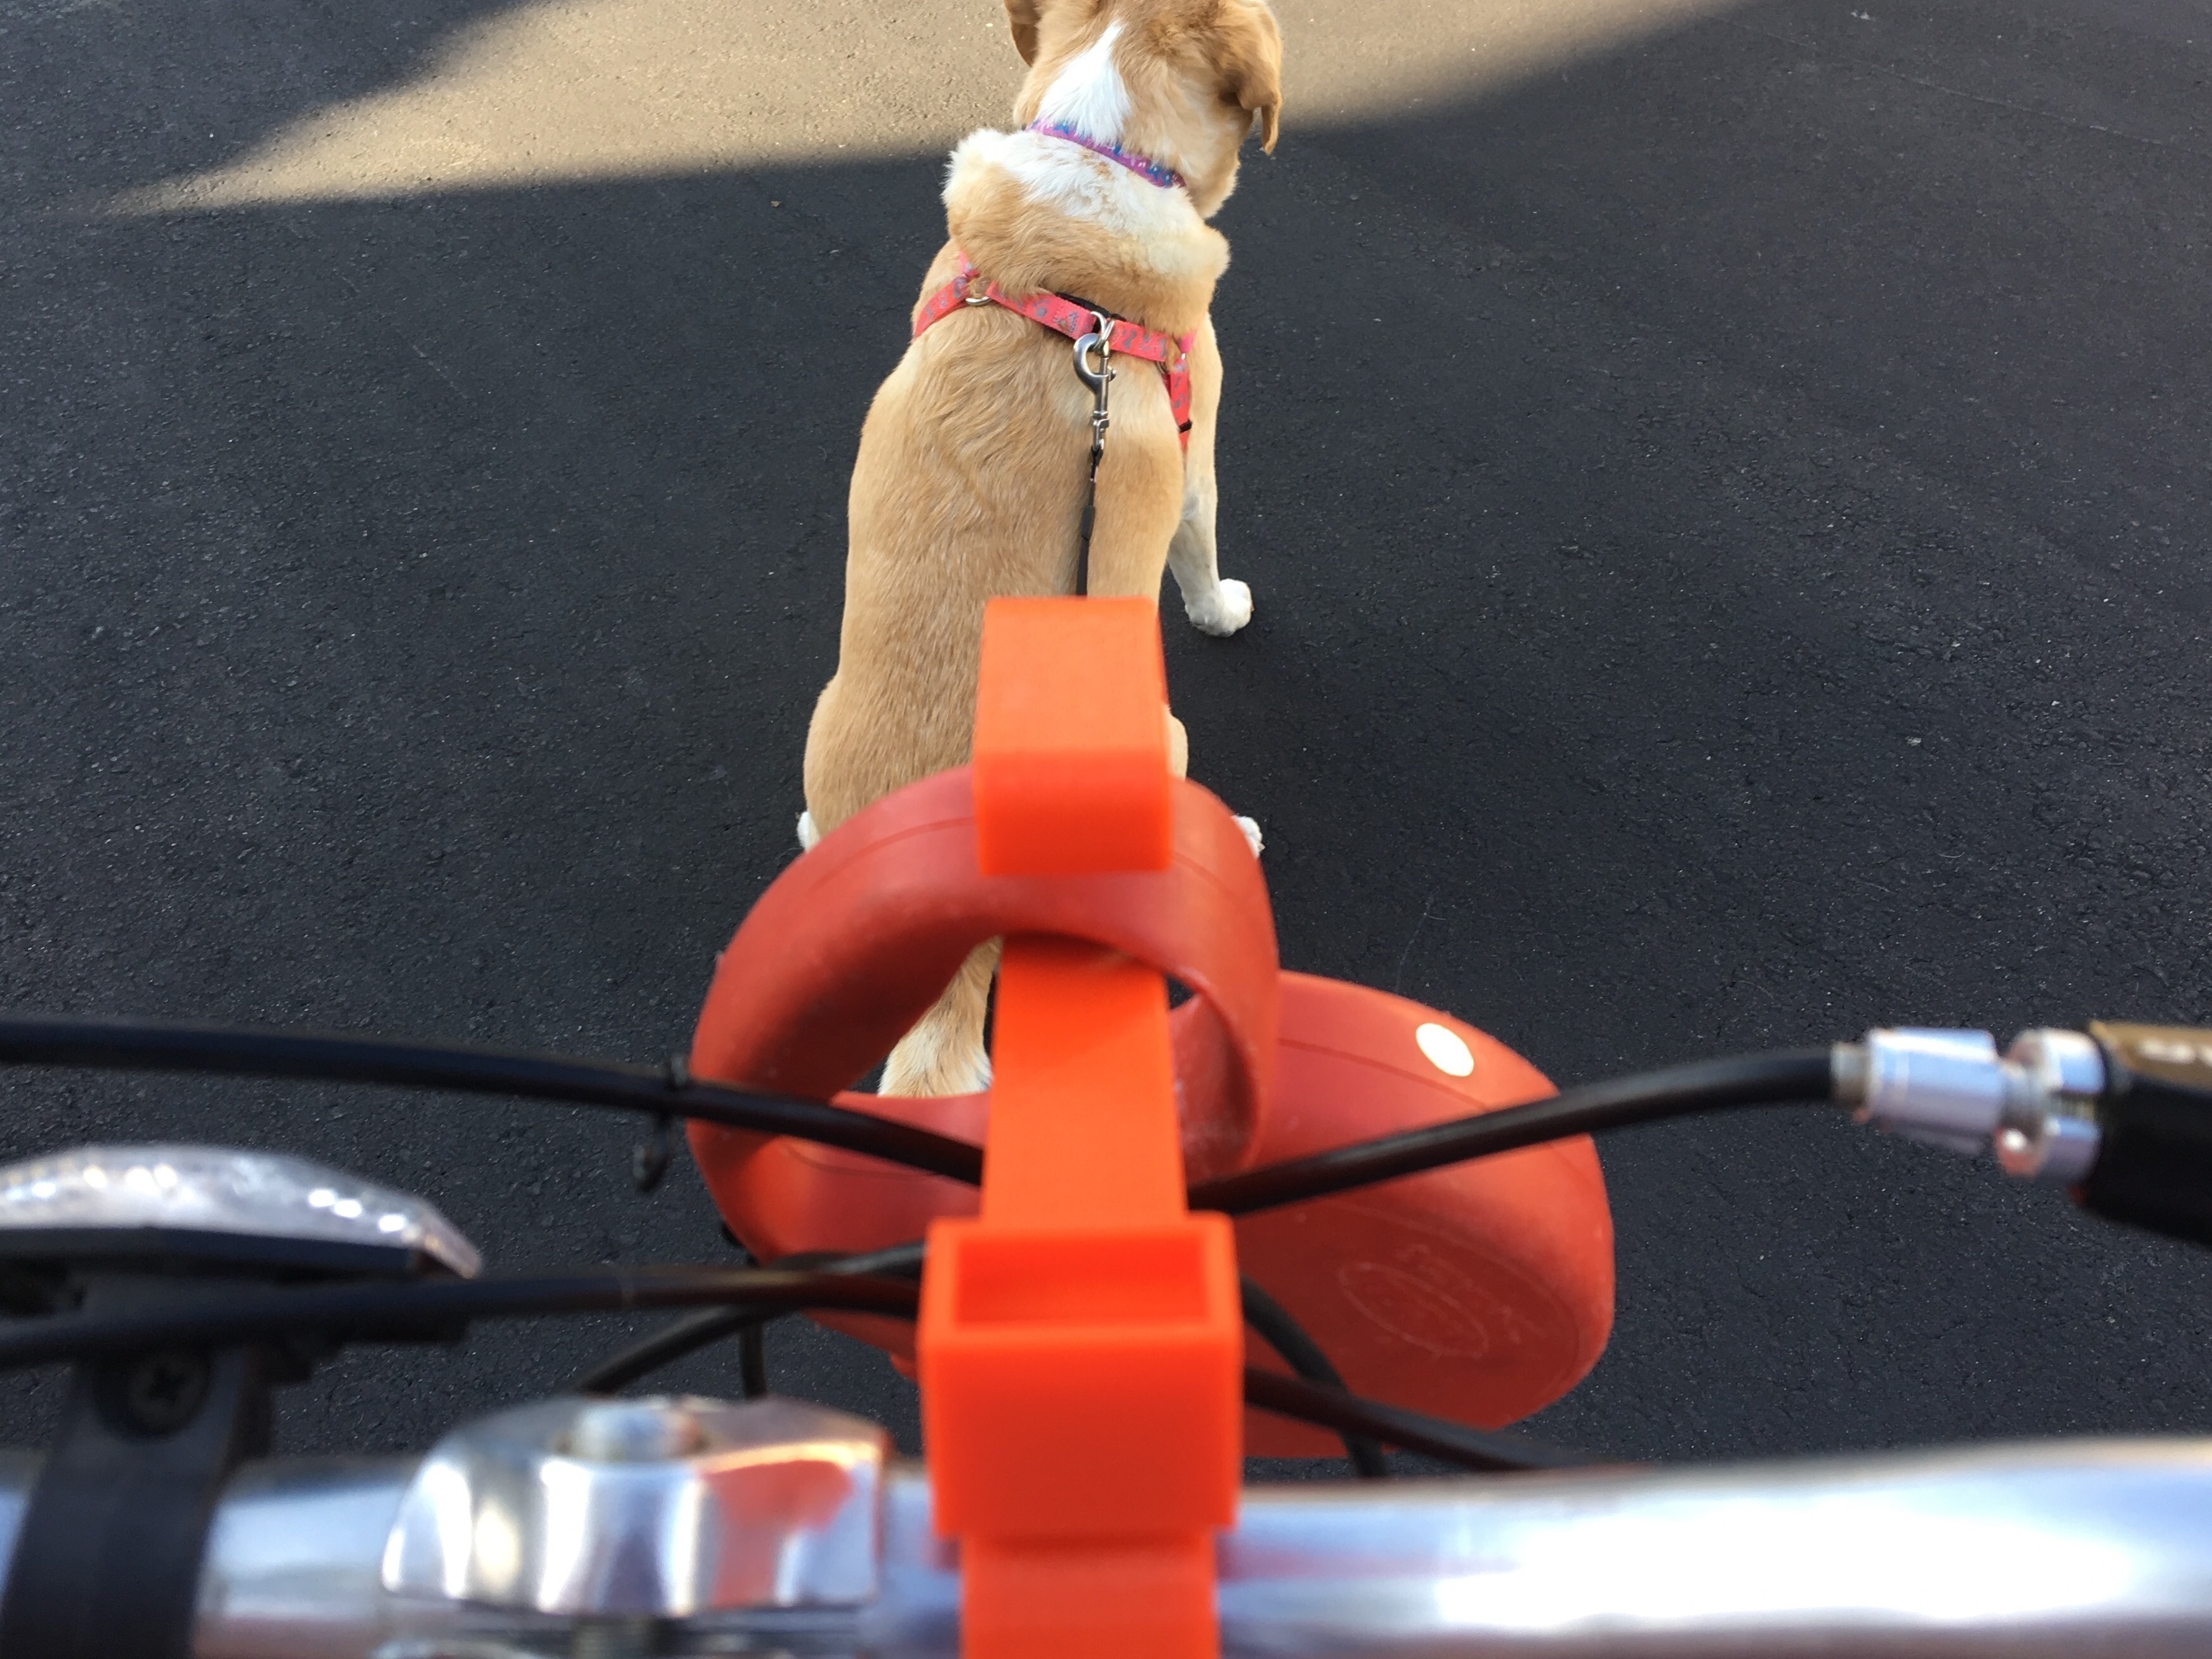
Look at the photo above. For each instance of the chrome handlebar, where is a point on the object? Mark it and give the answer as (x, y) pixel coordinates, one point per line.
(2057, 1547)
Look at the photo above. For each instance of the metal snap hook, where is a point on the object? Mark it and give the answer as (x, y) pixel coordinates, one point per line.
(1100, 340)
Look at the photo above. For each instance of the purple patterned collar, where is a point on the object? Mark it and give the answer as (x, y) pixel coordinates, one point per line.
(1152, 172)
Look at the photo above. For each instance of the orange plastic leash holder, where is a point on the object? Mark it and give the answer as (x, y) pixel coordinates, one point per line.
(1080, 1342)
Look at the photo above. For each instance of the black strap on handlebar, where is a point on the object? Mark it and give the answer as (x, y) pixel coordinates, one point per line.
(107, 1559)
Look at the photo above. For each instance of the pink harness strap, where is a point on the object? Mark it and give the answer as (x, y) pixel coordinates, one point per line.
(1064, 316)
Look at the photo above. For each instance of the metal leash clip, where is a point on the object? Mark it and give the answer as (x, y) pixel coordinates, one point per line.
(1100, 340)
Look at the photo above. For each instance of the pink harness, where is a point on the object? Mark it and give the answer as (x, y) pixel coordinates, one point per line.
(1074, 319)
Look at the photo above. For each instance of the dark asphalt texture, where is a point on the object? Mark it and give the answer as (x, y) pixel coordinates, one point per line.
(1728, 531)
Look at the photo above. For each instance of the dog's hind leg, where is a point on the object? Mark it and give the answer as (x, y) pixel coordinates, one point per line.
(1214, 606)
(944, 1054)
(864, 742)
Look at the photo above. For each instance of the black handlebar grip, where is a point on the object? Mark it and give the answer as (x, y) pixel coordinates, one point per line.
(2153, 1164)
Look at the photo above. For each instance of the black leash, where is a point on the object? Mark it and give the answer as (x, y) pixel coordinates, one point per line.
(1100, 340)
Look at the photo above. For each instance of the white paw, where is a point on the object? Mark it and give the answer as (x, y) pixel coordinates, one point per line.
(808, 834)
(1228, 609)
(1251, 828)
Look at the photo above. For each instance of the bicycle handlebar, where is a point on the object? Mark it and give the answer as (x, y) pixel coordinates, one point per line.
(2047, 1549)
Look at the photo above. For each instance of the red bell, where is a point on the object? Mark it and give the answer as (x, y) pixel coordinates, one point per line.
(1480, 1292)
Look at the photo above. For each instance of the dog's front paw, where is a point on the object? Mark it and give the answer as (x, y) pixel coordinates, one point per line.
(1228, 610)
(1251, 828)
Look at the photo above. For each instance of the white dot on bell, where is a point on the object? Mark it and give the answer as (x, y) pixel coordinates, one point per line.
(1446, 1049)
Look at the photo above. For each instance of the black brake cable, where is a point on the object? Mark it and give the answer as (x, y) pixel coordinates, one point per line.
(435, 1307)
(1274, 1323)
(1305, 1358)
(1448, 1441)
(1785, 1078)
(158, 1046)
(672, 1342)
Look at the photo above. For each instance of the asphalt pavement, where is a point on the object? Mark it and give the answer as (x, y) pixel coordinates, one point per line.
(1727, 525)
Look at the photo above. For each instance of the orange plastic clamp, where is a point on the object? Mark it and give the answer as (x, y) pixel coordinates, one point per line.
(1071, 749)
(1080, 1342)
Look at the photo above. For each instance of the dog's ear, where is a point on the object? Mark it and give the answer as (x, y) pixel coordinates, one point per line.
(1021, 19)
(1252, 66)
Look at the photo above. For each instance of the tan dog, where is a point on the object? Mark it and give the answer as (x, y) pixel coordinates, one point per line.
(974, 460)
